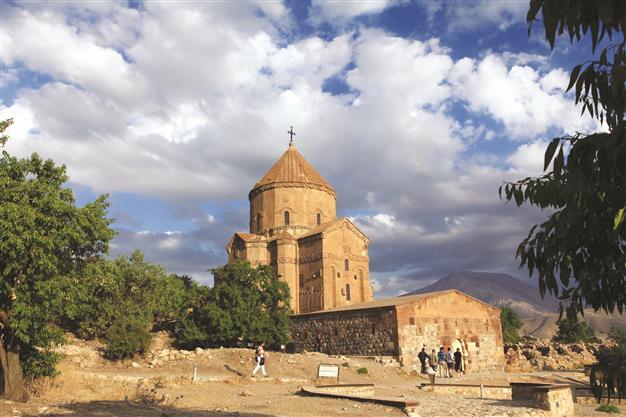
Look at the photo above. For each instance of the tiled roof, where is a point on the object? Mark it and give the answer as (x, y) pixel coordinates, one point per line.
(247, 237)
(293, 168)
(395, 301)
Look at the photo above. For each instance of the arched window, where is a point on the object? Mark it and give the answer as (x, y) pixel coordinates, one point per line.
(259, 225)
(346, 265)
(319, 219)
(286, 218)
(347, 292)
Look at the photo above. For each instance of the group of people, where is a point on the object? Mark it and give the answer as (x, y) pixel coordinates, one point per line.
(442, 361)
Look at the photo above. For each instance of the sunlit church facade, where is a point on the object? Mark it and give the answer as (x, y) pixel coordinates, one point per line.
(293, 227)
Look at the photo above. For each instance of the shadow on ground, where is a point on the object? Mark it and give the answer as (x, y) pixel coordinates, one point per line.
(129, 409)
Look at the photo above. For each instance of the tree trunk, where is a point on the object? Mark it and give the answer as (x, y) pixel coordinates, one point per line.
(11, 376)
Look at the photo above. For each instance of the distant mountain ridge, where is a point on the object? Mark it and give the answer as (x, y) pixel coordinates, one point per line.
(502, 290)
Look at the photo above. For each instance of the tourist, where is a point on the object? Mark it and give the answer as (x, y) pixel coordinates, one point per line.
(430, 371)
(422, 357)
(458, 358)
(432, 358)
(259, 357)
(441, 362)
(449, 362)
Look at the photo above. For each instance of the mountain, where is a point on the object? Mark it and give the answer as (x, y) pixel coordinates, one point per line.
(502, 290)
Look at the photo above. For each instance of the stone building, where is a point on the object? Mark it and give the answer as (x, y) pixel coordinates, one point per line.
(293, 228)
(399, 327)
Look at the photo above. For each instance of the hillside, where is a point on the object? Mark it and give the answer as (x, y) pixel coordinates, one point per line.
(503, 290)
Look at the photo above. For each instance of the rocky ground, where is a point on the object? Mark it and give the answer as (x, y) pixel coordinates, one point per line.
(160, 385)
(533, 354)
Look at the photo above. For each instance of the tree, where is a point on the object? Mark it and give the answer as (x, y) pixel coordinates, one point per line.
(106, 291)
(570, 330)
(511, 325)
(246, 304)
(579, 252)
(43, 235)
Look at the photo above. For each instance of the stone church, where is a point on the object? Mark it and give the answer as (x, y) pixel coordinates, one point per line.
(324, 260)
(294, 228)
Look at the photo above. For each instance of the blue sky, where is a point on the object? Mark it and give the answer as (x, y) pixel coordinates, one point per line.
(414, 111)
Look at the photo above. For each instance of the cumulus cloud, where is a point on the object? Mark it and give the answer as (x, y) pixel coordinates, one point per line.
(464, 16)
(525, 101)
(341, 11)
(191, 104)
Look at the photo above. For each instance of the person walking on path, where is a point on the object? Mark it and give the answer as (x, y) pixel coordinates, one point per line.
(458, 360)
(441, 362)
(449, 362)
(432, 358)
(422, 357)
(431, 372)
(259, 357)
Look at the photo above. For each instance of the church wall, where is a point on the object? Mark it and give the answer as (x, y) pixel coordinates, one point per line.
(285, 266)
(303, 204)
(370, 332)
(257, 253)
(452, 320)
(311, 275)
(339, 246)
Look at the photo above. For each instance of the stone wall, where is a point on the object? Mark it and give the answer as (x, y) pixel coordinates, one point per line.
(371, 332)
(454, 320)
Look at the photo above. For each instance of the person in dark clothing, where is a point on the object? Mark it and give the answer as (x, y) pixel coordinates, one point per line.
(458, 358)
(422, 357)
(432, 359)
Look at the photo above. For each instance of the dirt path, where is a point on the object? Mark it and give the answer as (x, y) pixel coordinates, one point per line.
(225, 388)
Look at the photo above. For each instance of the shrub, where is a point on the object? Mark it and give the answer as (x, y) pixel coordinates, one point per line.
(511, 325)
(573, 331)
(608, 408)
(345, 365)
(126, 338)
(246, 304)
(361, 371)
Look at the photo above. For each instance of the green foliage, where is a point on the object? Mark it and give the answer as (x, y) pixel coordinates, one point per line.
(106, 291)
(511, 325)
(126, 338)
(362, 371)
(4, 124)
(246, 304)
(579, 252)
(618, 334)
(43, 236)
(573, 331)
(609, 408)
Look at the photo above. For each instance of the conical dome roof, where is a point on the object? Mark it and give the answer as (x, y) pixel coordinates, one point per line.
(292, 169)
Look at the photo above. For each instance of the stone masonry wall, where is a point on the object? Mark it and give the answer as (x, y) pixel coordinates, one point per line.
(370, 332)
(456, 321)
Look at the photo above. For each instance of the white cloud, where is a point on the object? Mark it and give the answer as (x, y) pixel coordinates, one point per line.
(464, 16)
(528, 159)
(193, 103)
(525, 101)
(341, 11)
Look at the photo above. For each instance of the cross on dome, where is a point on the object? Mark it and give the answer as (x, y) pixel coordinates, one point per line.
(291, 134)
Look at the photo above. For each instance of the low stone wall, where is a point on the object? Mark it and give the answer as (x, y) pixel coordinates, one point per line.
(366, 390)
(496, 392)
(370, 332)
(558, 399)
